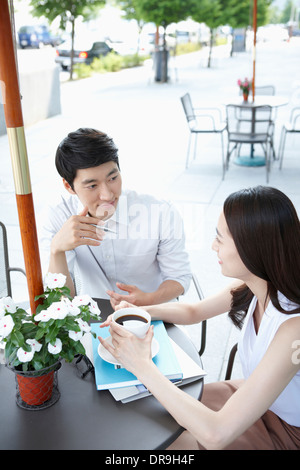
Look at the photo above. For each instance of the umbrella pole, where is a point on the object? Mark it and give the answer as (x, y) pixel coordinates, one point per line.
(254, 46)
(16, 135)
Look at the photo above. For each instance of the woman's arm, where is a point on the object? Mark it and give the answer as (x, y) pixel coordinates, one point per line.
(214, 430)
(182, 313)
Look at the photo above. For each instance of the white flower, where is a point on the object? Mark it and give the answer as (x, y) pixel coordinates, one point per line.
(56, 347)
(82, 300)
(7, 305)
(2, 309)
(75, 335)
(42, 316)
(53, 280)
(83, 325)
(35, 345)
(25, 356)
(94, 307)
(6, 325)
(58, 310)
(73, 309)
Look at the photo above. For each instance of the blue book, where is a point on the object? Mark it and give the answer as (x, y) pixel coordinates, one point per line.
(109, 375)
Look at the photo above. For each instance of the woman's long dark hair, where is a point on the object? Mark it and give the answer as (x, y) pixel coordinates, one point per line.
(266, 231)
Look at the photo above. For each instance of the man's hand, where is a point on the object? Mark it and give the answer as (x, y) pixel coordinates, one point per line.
(76, 231)
(134, 295)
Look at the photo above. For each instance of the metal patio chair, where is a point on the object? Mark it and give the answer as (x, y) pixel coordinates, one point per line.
(268, 90)
(231, 362)
(262, 90)
(291, 127)
(5, 268)
(204, 120)
(254, 132)
(203, 324)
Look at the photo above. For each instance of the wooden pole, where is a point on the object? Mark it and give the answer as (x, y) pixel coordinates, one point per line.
(254, 46)
(15, 131)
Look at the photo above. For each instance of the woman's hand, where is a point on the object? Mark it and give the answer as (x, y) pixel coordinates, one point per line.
(132, 352)
(108, 321)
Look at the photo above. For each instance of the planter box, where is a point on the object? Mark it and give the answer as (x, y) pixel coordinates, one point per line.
(40, 90)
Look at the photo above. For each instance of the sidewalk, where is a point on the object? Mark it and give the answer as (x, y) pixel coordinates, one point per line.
(148, 125)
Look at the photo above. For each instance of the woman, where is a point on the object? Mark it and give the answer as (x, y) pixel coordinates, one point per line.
(257, 243)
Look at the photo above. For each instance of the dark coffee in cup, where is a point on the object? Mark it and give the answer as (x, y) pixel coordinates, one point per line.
(125, 318)
(133, 319)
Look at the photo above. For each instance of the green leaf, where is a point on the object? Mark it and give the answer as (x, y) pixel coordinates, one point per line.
(29, 330)
(71, 324)
(26, 347)
(38, 365)
(39, 334)
(79, 348)
(17, 338)
(37, 297)
(52, 334)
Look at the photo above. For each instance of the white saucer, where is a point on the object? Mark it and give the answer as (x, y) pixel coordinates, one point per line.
(106, 356)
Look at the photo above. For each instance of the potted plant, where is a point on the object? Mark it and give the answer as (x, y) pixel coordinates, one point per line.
(35, 344)
(245, 86)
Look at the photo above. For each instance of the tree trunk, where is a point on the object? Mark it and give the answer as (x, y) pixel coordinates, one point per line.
(72, 47)
(164, 59)
(210, 47)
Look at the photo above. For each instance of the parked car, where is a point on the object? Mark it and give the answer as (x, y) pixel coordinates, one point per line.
(84, 52)
(272, 33)
(36, 36)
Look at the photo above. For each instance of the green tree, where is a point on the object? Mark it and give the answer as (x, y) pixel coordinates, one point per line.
(239, 13)
(236, 13)
(211, 13)
(132, 12)
(68, 10)
(163, 13)
(287, 12)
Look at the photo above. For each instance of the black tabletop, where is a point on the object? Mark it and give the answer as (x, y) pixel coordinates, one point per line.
(84, 418)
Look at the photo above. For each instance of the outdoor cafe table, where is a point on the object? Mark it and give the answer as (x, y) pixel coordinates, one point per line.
(260, 100)
(84, 418)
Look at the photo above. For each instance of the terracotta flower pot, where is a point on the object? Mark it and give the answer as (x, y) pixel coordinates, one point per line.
(36, 390)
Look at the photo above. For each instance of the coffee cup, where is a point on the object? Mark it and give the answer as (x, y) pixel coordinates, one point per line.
(134, 319)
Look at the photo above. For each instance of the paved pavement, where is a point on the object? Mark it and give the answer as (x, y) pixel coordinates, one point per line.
(147, 122)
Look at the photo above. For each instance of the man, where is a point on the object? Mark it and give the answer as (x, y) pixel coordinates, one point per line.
(108, 242)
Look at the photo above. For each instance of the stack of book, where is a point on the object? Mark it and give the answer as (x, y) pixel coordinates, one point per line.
(170, 359)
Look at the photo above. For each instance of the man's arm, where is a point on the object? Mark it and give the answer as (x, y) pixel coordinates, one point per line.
(167, 290)
(76, 231)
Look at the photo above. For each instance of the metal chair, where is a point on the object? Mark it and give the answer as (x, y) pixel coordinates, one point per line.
(202, 121)
(270, 91)
(254, 131)
(262, 90)
(5, 268)
(203, 323)
(291, 127)
(231, 362)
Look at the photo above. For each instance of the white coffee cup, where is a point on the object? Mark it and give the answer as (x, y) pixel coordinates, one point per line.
(134, 319)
